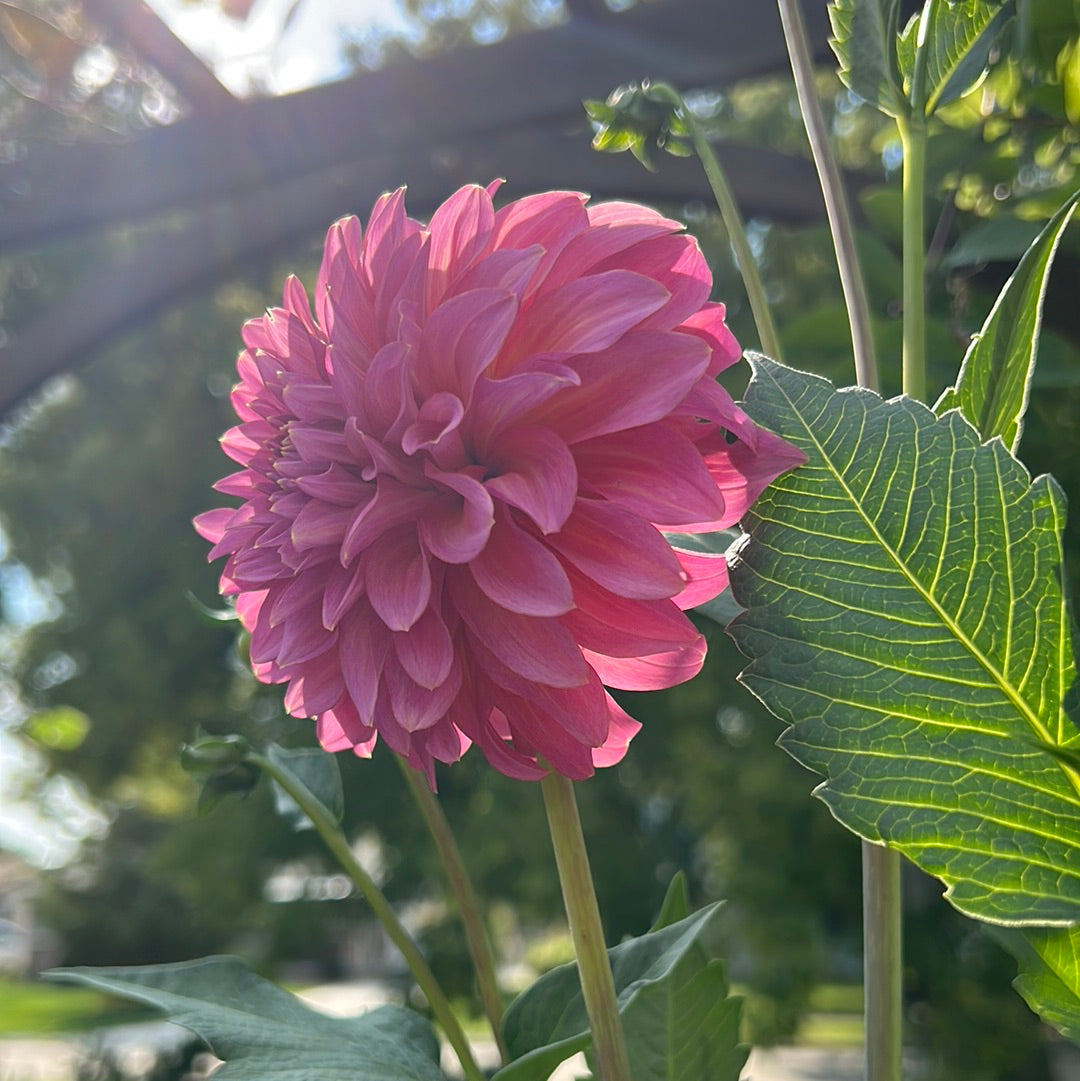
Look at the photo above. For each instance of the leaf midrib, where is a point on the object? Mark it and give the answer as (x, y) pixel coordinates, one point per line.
(1018, 703)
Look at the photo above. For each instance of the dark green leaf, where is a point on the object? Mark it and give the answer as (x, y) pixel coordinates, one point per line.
(1049, 976)
(315, 770)
(906, 616)
(992, 388)
(263, 1032)
(676, 904)
(864, 33)
(672, 994)
(1000, 238)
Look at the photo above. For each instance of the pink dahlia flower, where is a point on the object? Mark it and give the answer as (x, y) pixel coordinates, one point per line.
(455, 473)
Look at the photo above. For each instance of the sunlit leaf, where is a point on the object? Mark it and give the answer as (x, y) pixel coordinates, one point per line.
(907, 618)
(62, 728)
(1049, 972)
(679, 1022)
(263, 1032)
(995, 377)
(958, 38)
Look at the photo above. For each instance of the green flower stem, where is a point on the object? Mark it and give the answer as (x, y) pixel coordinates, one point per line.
(583, 915)
(832, 188)
(468, 904)
(913, 141)
(729, 212)
(882, 962)
(335, 840)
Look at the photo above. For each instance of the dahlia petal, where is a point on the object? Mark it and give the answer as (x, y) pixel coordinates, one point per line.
(653, 471)
(287, 598)
(336, 485)
(242, 484)
(426, 651)
(653, 673)
(498, 403)
(621, 730)
(462, 338)
(211, 524)
(330, 734)
(520, 574)
(620, 551)
(706, 577)
(742, 474)
(613, 228)
(456, 526)
(320, 523)
(460, 232)
(550, 219)
(347, 376)
(388, 227)
(392, 505)
(387, 393)
(344, 586)
(586, 315)
(438, 418)
(416, 708)
(248, 608)
(398, 578)
(640, 379)
(677, 263)
(295, 299)
(313, 402)
(618, 627)
(532, 728)
(536, 473)
(363, 645)
(708, 324)
(537, 649)
(507, 271)
(316, 688)
(304, 638)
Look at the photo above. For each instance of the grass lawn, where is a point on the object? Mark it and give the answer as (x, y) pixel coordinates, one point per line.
(30, 1008)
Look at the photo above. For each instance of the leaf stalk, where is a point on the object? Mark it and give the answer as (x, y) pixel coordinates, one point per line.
(468, 904)
(586, 931)
(832, 189)
(336, 842)
(732, 218)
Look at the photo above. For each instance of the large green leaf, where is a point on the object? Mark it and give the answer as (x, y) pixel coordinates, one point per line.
(679, 1022)
(957, 40)
(864, 35)
(1049, 978)
(906, 616)
(263, 1032)
(992, 387)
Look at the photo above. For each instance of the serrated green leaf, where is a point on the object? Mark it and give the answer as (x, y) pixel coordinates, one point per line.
(995, 378)
(864, 35)
(670, 987)
(265, 1034)
(1049, 972)
(959, 35)
(316, 771)
(906, 616)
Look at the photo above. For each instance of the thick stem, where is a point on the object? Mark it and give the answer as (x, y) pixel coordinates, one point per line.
(335, 840)
(468, 904)
(583, 915)
(913, 141)
(832, 188)
(736, 229)
(882, 962)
